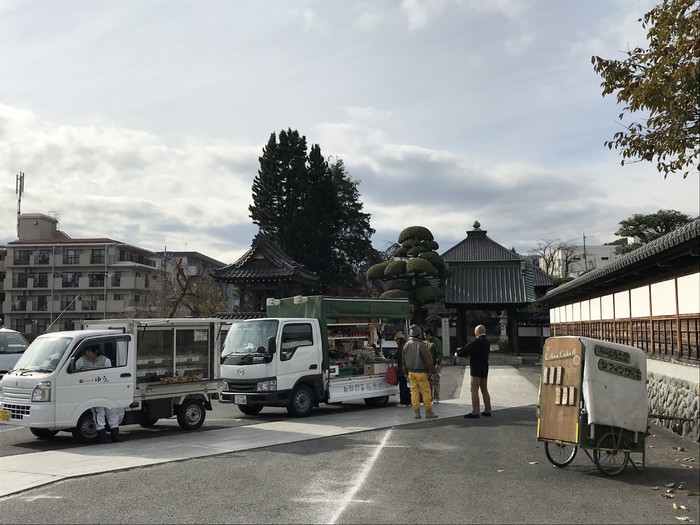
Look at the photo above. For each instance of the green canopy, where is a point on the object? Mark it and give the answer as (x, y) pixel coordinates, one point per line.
(325, 308)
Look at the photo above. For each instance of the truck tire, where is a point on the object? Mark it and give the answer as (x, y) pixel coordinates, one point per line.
(86, 429)
(302, 401)
(250, 410)
(191, 414)
(377, 401)
(43, 433)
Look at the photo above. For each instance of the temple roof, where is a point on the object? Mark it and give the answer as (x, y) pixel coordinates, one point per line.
(264, 262)
(485, 274)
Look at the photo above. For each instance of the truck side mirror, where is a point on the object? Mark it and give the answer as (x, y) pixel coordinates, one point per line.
(71, 365)
(271, 346)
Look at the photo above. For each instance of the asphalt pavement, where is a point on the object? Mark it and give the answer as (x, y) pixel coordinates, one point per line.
(348, 464)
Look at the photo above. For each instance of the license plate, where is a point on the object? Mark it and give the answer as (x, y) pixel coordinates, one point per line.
(4, 415)
(240, 400)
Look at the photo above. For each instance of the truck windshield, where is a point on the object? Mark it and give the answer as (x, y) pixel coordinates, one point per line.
(249, 337)
(43, 354)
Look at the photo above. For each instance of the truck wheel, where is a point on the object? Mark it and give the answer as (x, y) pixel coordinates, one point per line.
(43, 433)
(86, 430)
(191, 414)
(250, 410)
(377, 401)
(302, 401)
(149, 422)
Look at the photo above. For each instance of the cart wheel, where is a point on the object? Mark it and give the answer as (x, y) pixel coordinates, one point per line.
(611, 453)
(560, 454)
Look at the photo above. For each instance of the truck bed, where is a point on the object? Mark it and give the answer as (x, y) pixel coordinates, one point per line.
(146, 391)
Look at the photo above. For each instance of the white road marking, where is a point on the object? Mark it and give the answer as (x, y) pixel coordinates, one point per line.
(366, 469)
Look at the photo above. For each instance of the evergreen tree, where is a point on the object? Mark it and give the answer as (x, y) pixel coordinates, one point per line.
(312, 210)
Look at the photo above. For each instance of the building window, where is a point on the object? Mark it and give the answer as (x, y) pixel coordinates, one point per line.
(41, 280)
(605, 258)
(68, 302)
(23, 257)
(19, 304)
(117, 279)
(71, 324)
(97, 280)
(19, 280)
(70, 279)
(41, 303)
(97, 256)
(41, 325)
(71, 257)
(118, 296)
(43, 257)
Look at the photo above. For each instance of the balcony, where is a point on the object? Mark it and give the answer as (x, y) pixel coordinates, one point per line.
(19, 306)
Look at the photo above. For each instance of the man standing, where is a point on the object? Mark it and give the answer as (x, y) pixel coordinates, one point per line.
(478, 350)
(435, 348)
(93, 359)
(404, 392)
(416, 364)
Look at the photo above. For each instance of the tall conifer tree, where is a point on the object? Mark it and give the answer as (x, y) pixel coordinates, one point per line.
(312, 210)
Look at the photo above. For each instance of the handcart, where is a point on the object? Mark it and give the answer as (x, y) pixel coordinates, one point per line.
(592, 396)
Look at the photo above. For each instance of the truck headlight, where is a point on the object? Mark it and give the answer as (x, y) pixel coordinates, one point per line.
(42, 391)
(266, 386)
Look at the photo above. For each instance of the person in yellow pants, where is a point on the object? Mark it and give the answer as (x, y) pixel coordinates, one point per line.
(417, 363)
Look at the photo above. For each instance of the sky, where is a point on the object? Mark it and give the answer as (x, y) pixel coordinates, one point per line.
(144, 120)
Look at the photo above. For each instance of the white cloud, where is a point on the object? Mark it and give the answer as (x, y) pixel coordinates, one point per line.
(145, 124)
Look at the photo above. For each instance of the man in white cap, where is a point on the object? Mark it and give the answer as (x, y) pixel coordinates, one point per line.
(417, 363)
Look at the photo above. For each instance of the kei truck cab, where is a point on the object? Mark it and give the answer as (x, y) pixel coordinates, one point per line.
(310, 350)
(160, 368)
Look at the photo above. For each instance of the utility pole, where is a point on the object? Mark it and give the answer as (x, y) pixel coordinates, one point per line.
(585, 259)
(19, 190)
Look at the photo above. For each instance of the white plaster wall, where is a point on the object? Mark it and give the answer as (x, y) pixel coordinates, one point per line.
(576, 312)
(622, 305)
(640, 302)
(607, 309)
(595, 309)
(663, 298)
(689, 294)
(681, 371)
(569, 313)
(585, 310)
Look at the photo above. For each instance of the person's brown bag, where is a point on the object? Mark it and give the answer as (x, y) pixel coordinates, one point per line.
(392, 375)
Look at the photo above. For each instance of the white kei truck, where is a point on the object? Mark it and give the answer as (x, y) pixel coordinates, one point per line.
(160, 368)
(310, 350)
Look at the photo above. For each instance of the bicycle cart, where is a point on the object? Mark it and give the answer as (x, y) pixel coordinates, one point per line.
(592, 396)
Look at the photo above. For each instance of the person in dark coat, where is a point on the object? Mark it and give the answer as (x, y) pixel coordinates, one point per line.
(478, 352)
(404, 391)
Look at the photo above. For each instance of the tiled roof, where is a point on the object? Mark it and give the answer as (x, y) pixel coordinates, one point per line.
(485, 274)
(264, 262)
(677, 250)
(490, 285)
(540, 277)
(478, 247)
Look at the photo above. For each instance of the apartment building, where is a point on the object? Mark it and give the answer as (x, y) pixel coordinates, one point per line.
(53, 282)
(572, 261)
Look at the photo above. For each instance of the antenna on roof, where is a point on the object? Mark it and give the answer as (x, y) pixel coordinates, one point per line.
(19, 190)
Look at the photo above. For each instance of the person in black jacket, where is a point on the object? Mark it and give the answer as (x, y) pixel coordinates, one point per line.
(478, 351)
(404, 391)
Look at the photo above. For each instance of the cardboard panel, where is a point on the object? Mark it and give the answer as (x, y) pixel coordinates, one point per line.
(562, 365)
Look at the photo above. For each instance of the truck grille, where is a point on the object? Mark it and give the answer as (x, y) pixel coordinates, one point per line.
(239, 387)
(17, 412)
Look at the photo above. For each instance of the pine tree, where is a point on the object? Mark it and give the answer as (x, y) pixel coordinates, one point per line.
(415, 270)
(312, 209)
